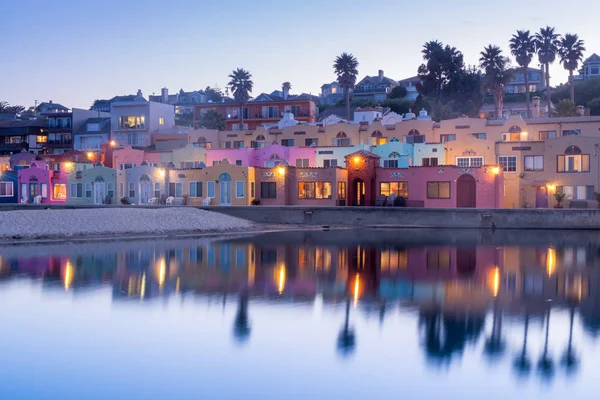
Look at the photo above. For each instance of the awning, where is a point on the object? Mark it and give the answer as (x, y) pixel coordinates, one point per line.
(539, 183)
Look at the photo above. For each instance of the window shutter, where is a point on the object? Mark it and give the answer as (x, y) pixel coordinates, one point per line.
(590, 193)
(192, 189)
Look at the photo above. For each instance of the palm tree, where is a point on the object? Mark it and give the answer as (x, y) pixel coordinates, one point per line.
(346, 339)
(569, 359)
(495, 345)
(522, 46)
(522, 364)
(496, 69)
(571, 51)
(345, 67)
(241, 324)
(545, 363)
(241, 87)
(546, 44)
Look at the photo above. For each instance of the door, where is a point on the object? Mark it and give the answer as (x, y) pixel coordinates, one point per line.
(570, 163)
(541, 197)
(172, 191)
(145, 192)
(34, 190)
(225, 193)
(99, 193)
(359, 187)
(466, 195)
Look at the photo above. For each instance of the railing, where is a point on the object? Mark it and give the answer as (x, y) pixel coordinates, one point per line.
(13, 146)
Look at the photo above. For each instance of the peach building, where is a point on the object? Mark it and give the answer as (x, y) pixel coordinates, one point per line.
(225, 184)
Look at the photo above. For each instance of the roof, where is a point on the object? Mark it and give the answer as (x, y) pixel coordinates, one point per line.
(276, 95)
(52, 106)
(363, 153)
(411, 79)
(18, 123)
(339, 111)
(377, 80)
(593, 58)
(104, 125)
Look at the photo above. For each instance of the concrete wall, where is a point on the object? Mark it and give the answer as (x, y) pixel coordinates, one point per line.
(411, 217)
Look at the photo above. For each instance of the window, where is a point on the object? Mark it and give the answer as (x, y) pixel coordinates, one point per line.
(157, 189)
(88, 189)
(332, 162)
(448, 137)
(545, 135)
(314, 190)
(415, 139)
(481, 136)
(132, 122)
(572, 132)
(239, 189)
(509, 163)
(534, 163)
(341, 190)
(121, 189)
(232, 112)
(390, 163)
(110, 188)
(161, 121)
(287, 142)
(465, 162)
(6, 189)
(302, 162)
(195, 189)
(438, 190)
(311, 142)
(210, 189)
(238, 162)
(59, 191)
(227, 145)
(55, 166)
(341, 139)
(41, 139)
(577, 192)
(268, 190)
(398, 188)
(252, 190)
(238, 144)
(438, 259)
(127, 166)
(429, 162)
(573, 161)
(76, 190)
(270, 112)
(131, 189)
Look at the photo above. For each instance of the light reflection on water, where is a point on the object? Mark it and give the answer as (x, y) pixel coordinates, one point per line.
(340, 314)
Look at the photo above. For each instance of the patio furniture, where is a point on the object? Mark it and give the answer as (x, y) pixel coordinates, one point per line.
(206, 201)
(390, 200)
(37, 199)
(578, 204)
(152, 201)
(380, 202)
(169, 200)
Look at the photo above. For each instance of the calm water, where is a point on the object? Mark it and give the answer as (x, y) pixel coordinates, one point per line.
(322, 315)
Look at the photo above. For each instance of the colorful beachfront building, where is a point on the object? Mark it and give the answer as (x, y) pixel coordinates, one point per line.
(128, 157)
(140, 184)
(92, 184)
(225, 184)
(8, 187)
(268, 156)
(40, 183)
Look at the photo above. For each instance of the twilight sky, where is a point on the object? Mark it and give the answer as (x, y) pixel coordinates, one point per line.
(75, 51)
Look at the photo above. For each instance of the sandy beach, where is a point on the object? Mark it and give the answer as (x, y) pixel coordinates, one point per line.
(34, 224)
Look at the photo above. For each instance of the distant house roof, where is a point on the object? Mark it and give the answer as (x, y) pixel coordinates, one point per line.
(51, 106)
(338, 111)
(556, 120)
(411, 79)
(593, 58)
(377, 80)
(328, 85)
(277, 95)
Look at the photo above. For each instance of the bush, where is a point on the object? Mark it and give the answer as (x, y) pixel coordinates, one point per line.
(125, 201)
(255, 202)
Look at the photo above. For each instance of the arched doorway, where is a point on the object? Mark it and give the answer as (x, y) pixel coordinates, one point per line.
(359, 190)
(225, 189)
(466, 195)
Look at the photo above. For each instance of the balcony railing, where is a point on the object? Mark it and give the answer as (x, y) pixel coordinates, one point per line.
(14, 147)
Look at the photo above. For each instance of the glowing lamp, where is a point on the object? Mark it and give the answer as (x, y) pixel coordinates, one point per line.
(357, 159)
(90, 155)
(113, 143)
(161, 172)
(495, 170)
(551, 187)
(68, 165)
(281, 170)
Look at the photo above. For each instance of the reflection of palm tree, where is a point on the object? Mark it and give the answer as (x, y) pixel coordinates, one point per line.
(522, 364)
(346, 340)
(241, 325)
(545, 364)
(494, 345)
(569, 359)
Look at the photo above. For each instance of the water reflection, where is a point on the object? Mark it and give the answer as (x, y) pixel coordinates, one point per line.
(465, 288)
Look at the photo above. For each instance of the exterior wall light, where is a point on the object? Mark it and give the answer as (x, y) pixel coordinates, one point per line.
(551, 187)
(281, 170)
(161, 172)
(495, 170)
(356, 159)
(90, 155)
(113, 143)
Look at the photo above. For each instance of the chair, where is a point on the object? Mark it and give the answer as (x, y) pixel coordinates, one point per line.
(152, 201)
(380, 202)
(206, 201)
(390, 200)
(37, 199)
(23, 200)
(169, 200)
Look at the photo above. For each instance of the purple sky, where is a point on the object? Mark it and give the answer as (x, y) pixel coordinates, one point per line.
(73, 51)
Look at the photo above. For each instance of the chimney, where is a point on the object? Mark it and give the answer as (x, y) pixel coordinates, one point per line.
(50, 101)
(380, 74)
(139, 93)
(535, 107)
(580, 111)
(286, 91)
(165, 95)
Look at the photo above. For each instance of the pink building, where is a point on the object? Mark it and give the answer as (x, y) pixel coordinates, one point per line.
(268, 156)
(39, 180)
(128, 157)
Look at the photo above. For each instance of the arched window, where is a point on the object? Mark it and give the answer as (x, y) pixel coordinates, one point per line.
(394, 154)
(376, 134)
(377, 138)
(413, 132)
(260, 137)
(224, 177)
(341, 135)
(394, 139)
(573, 150)
(275, 156)
(201, 139)
(514, 129)
(98, 179)
(144, 178)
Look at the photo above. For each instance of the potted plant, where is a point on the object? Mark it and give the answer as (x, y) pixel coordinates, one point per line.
(255, 202)
(597, 198)
(184, 198)
(559, 199)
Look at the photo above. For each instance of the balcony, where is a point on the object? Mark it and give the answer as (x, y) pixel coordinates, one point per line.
(59, 143)
(13, 147)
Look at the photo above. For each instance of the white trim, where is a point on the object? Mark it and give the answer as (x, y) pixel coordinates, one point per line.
(12, 188)
(237, 194)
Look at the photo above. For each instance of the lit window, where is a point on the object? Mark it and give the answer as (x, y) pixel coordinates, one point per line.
(41, 139)
(161, 121)
(534, 163)
(314, 190)
(60, 191)
(573, 161)
(398, 188)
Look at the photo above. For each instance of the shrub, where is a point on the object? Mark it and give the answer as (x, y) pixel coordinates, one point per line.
(255, 202)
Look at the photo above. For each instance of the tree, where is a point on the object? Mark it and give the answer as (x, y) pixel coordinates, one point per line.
(211, 119)
(571, 51)
(287, 85)
(546, 44)
(522, 47)
(215, 94)
(594, 106)
(497, 73)
(7, 108)
(442, 64)
(241, 87)
(345, 67)
(399, 92)
(565, 108)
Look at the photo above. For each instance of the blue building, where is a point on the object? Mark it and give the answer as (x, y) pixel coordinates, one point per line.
(8, 187)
